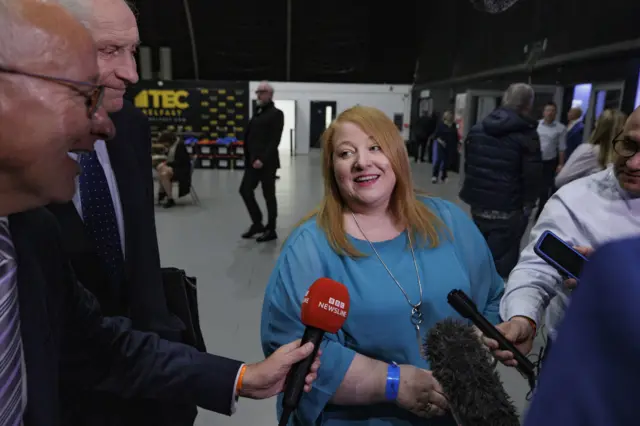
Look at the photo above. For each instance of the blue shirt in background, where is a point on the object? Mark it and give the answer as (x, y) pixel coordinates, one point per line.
(378, 324)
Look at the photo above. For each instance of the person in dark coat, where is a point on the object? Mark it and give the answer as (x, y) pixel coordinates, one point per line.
(503, 173)
(424, 129)
(262, 161)
(445, 146)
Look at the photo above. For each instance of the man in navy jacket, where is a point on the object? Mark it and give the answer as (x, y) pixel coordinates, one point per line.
(50, 105)
(590, 376)
(503, 171)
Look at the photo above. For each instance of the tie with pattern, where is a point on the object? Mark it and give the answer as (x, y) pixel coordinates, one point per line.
(100, 216)
(10, 338)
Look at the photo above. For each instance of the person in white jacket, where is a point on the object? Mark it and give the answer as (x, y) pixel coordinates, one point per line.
(586, 213)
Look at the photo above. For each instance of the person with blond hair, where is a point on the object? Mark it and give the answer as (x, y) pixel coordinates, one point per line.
(399, 252)
(597, 154)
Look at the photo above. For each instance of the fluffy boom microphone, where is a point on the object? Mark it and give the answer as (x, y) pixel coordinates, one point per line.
(464, 368)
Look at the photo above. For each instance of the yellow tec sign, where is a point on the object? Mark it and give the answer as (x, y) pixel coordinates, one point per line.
(162, 99)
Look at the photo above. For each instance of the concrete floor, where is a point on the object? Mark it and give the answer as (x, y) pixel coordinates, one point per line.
(232, 273)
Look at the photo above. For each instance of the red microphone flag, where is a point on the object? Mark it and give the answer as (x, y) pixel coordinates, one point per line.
(326, 305)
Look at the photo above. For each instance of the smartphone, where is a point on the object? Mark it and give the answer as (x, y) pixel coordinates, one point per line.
(560, 255)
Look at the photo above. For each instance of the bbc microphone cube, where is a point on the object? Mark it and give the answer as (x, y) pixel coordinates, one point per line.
(326, 305)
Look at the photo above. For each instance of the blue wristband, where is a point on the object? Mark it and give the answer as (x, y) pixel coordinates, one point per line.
(393, 382)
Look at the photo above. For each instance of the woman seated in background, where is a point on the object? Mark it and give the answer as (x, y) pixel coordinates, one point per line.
(399, 253)
(177, 168)
(596, 155)
(445, 146)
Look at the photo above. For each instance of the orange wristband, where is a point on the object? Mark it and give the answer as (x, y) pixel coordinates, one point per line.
(240, 377)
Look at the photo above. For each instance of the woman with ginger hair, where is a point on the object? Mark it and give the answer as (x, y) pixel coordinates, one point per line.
(399, 253)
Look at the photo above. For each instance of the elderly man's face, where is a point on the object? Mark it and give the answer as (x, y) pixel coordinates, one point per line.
(627, 162)
(115, 32)
(41, 120)
(264, 94)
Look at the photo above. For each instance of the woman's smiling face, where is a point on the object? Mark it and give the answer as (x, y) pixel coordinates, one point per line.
(363, 172)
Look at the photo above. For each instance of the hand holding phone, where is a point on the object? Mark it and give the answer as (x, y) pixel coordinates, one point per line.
(567, 260)
(572, 283)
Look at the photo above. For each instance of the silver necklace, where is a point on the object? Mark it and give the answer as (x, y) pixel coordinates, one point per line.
(416, 312)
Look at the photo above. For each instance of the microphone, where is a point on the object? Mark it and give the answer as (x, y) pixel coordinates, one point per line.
(324, 309)
(464, 368)
(468, 309)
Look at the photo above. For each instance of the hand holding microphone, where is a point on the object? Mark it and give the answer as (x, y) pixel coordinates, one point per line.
(324, 310)
(267, 378)
(517, 330)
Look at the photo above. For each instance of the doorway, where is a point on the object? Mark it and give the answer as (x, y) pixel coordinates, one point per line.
(322, 113)
(288, 140)
(603, 96)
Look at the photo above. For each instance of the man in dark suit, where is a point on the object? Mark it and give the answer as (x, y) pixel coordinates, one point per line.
(109, 227)
(262, 162)
(50, 106)
(575, 131)
(424, 129)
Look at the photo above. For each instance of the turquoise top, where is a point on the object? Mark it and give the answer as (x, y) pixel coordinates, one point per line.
(378, 324)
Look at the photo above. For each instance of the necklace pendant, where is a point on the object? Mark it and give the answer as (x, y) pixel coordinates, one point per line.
(416, 316)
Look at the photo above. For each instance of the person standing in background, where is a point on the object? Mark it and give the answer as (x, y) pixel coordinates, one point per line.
(575, 131)
(553, 143)
(262, 162)
(595, 155)
(109, 226)
(424, 129)
(445, 146)
(502, 174)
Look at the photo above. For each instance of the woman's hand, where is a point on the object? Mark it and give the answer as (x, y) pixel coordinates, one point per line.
(571, 283)
(420, 393)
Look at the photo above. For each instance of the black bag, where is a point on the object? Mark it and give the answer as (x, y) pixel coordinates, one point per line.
(181, 293)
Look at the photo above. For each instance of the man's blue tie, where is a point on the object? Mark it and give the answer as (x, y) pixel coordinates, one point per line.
(100, 216)
(10, 338)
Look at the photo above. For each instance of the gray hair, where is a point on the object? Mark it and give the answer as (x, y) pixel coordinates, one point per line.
(83, 10)
(10, 22)
(266, 85)
(519, 96)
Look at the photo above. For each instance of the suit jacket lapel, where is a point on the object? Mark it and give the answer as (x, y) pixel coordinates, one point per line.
(34, 312)
(122, 158)
(75, 238)
(36, 324)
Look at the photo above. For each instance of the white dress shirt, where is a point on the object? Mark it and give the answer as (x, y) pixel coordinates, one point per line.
(586, 212)
(105, 162)
(553, 139)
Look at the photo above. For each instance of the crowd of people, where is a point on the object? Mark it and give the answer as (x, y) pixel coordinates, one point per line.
(76, 207)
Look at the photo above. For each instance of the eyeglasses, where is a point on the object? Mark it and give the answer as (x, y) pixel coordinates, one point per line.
(94, 96)
(625, 147)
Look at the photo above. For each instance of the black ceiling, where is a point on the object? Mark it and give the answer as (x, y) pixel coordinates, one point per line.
(332, 41)
(477, 41)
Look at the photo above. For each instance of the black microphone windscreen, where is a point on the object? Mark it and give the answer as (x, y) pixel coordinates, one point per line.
(464, 368)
